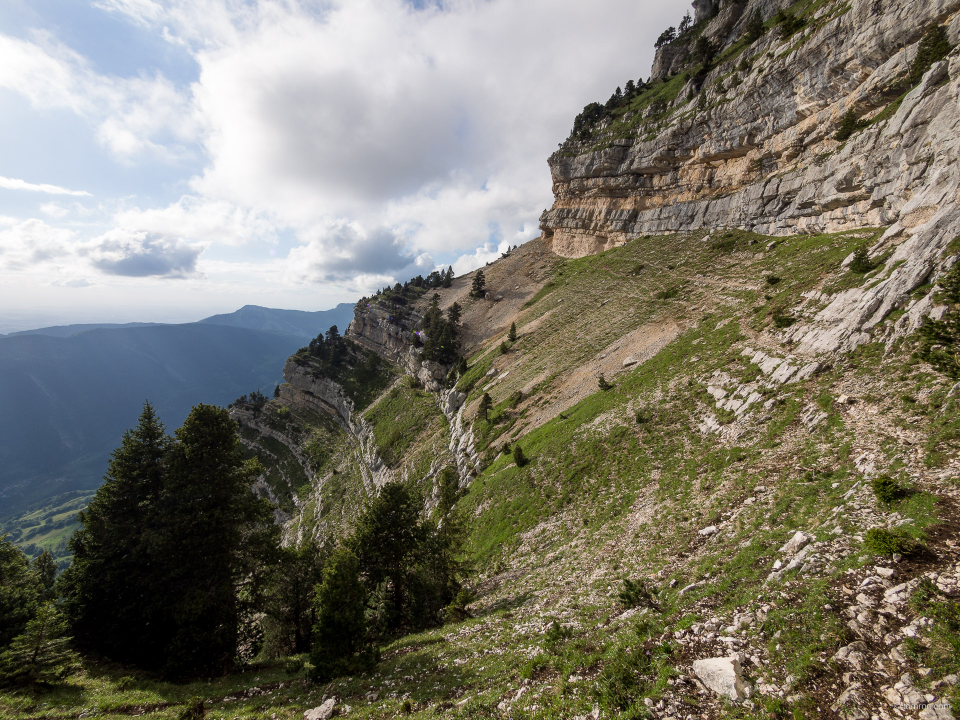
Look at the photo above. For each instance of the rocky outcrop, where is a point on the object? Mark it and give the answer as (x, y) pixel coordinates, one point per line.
(389, 332)
(393, 337)
(751, 145)
(322, 394)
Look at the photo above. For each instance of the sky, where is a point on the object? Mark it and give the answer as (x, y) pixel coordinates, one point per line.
(165, 160)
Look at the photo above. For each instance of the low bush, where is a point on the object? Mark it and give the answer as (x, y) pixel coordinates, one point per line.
(888, 490)
(861, 262)
(879, 541)
(638, 593)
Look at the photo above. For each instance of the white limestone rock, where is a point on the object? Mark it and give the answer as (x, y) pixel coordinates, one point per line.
(324, 711)
(722, 675)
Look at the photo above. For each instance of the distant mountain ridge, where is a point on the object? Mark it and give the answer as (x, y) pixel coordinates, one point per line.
(300, 323)
(67, 393)
(68, 330)
(292, 322)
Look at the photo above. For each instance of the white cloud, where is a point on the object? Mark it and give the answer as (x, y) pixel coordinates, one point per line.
(211, 221)
(73, 283)
(133, 116)
(141, 254)
(15, 184)
(31, 243)
(379, 135)
(433, 123)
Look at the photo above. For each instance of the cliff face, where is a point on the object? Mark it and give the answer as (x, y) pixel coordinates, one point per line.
(751, 145)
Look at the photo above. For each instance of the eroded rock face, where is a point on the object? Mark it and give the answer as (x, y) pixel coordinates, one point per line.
(762, 155)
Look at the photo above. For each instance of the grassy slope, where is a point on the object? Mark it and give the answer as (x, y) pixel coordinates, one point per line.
(606, 496)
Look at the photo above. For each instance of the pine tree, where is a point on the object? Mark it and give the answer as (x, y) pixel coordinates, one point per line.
(454, 313)
(861, 262)
(340, 633)
(448, 277)
(479, 284)
(512, 335)
(518, 457)
(485, 404)
(20, 591)
(44, 569)
(42, 653)
(289, 600)
(755, 27)
(213, 538)
(940, 339)
(109, 586)
(388, 541)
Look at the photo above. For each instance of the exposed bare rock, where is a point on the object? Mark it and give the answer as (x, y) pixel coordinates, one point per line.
(722, 675)
(763, 157)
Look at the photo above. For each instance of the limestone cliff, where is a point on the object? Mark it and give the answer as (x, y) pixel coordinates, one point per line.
(747, 141)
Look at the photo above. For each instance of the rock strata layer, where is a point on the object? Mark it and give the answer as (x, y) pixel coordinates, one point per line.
(751, 145)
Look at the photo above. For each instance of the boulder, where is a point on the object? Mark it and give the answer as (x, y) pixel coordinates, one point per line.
(798, 540)
(722, 675)
(326, 710)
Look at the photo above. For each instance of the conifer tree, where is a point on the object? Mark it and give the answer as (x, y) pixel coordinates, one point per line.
(340, 633)
(512, 335)
(289, 600)
(454, 313)
(485, 404)
(479, 284)
(213, 537)
(20, 591)
(388, 541)
(518, 457)
(109, 586)
(42, 653)
(940, 339)
(44, 569)
(755, 27)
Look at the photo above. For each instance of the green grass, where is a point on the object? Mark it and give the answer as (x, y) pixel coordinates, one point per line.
(399, 417)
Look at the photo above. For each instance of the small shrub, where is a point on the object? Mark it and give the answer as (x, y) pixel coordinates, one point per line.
(518, 457)
(888, 490)
(861, 262)
(556, 635)
(407, 707)
(193, 710)
(620, 683)
(772, 279)
(457, 611)
(728, 241)
(503, 348)
(603, 383)
(781, 320)
(637, 593)
(790, 24)
(669, 293)
(849, 124)
(644, 415)
(934, 46)
(535, 667)
(879, 541)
